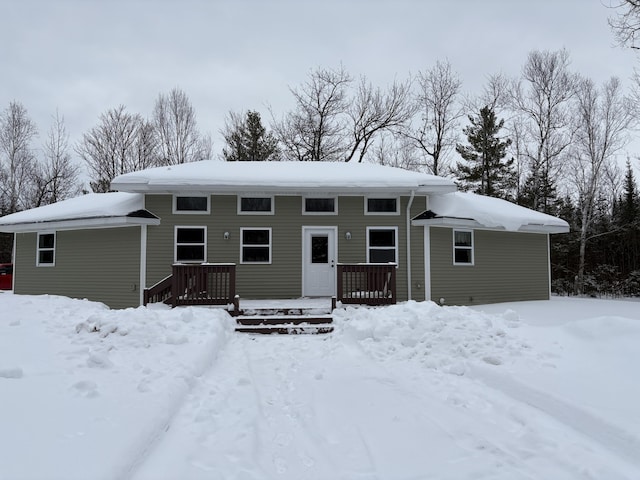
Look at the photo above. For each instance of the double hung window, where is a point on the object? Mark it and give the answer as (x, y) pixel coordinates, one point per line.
(46, 251)
(255, 246)
(191, 244)
(382, 244)
(463, 247)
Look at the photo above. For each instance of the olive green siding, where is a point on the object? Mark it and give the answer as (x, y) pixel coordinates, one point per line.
(508, 266)
(283, 277)
(101, 265)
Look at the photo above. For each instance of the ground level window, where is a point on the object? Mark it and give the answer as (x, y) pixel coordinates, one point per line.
(184, 204)
(191, 244)
(382, 244)
(46, 254)
(256, 245)
(462, 247)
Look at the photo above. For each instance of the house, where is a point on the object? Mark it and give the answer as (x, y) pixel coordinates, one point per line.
(361, 232)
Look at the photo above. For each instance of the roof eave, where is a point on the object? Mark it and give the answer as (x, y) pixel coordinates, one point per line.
(471, 223)
(79, 224)
(282, 189)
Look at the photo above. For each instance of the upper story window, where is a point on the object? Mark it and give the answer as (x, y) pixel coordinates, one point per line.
(46, 251)
(463, 247)
(191, 244)
(320, 206)
(382, 244)
(382, 206)
(184, 204)
(255, 205)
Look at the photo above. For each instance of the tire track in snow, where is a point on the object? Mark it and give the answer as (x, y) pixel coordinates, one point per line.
(619, 442)
(151, 438)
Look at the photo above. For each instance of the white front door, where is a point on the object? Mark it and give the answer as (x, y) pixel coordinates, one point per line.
(319, 261)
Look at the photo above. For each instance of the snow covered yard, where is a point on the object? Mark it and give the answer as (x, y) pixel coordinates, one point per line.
(510, 391)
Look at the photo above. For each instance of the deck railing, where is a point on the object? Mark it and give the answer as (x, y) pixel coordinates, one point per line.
(160, 292)
(367, 283)
(204, 284)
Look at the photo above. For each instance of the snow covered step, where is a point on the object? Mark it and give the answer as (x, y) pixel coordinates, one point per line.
(268, 324)
(286, 330)
(283, 320)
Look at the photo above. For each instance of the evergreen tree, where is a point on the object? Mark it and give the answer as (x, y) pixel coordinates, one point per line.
(486, 171)
(629, 202)
(247, 139)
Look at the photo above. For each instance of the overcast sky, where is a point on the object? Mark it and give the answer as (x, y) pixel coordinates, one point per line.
(86, 56)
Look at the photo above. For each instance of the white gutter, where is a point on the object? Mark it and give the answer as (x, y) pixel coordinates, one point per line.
(409, 204)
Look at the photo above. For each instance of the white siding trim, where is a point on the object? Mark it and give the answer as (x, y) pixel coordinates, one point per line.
(549, 261)
(13, 261)
(143, 261)
(427, 262)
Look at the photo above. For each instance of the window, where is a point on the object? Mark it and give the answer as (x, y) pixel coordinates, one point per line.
(46, 251)
(191, 244)
(255, 245)
(382, 244)
(462, 247)
(255, 205)
(382, 206)
(191, 205)
(320, 206)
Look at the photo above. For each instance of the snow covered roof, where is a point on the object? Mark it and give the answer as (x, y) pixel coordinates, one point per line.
(95, 210)
(282, 177)
(469, 209)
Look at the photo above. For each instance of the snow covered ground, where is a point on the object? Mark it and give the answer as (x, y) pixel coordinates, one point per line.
(532, 390)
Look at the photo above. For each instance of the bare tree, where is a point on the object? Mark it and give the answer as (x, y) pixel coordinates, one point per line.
(373, 111)
(55, 177)
(17, 158)
(179, 140)
(626, 24)
(115, 147)
(602, 118)
(435, 133)
(542, 97)
(396, 151)
(314, 130)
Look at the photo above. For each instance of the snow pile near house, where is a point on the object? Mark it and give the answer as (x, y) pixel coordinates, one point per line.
(491, 212)
(92, 205)
(85, 389)
(445, 339)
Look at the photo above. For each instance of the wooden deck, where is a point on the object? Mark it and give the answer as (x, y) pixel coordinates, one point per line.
(215, 284)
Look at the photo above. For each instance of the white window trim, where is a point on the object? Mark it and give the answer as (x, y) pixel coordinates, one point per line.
(382, 227)
(242, 212)
(472, 247)
(175, 210)
(175, 244)
(335, 205)
(38, 249)
(242, 245)
(366, 205)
